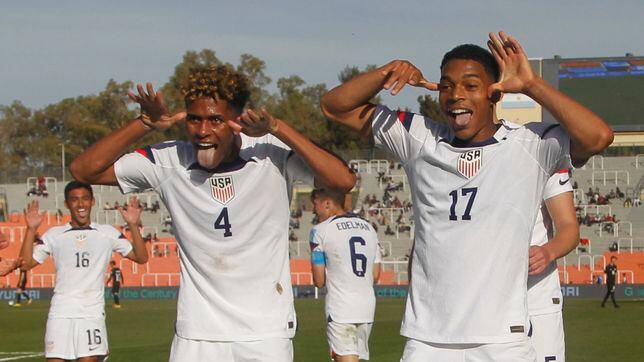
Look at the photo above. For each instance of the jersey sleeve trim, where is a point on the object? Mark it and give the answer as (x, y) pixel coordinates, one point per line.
(147, 153)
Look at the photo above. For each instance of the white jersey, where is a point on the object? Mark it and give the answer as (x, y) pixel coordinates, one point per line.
(544, 290)
(474, 208)
(231, 225)
(81, 256)
(350, 247)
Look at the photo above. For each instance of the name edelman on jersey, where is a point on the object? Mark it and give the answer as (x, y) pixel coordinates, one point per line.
(346, 225)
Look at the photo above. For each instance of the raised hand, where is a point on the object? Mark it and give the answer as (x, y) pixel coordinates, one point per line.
(400, 73)
(254, 124)
(4, 241)
(9, 265)
(33, 216)
(516, 72)
(154, 112)
(132, 214)
(539, 259)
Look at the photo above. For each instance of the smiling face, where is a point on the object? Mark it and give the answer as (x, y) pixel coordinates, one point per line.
(79, 201)
(464, 99)
(208, 132)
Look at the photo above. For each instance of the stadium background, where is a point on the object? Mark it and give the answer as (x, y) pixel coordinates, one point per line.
(610, 86)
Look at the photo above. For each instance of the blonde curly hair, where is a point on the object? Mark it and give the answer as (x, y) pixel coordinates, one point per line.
(220, 82)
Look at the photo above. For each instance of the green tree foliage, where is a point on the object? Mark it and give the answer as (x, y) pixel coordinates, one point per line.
(429, 107)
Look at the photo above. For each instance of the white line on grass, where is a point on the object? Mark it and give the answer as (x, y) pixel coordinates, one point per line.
(20, 355)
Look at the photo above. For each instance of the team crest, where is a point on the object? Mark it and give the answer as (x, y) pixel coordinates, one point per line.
(469, 163)
(81, 239)
(222, 189)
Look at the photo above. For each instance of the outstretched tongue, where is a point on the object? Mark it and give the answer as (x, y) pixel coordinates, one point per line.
(206, 157)
(462, 119)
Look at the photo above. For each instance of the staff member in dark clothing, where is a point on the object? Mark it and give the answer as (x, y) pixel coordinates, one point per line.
(116, 277)
(20, 289)
(611, 276)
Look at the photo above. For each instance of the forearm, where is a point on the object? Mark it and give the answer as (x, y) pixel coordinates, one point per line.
(139, 252)
(27, 249)
(566, 239)
(93, 165)
(589, 134)
(328, 169)
(349, 104)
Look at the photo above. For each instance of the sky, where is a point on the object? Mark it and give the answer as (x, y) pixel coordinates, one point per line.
(53, 50)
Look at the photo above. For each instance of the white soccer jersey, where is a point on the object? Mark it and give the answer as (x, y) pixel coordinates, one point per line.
(81, 256)
(231, 225)
(474, 209)
(544, 290)
(350, 246)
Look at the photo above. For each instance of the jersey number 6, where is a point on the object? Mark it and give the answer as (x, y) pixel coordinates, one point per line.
(355, 256)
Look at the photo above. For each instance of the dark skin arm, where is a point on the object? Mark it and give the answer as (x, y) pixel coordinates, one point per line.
(589, 134)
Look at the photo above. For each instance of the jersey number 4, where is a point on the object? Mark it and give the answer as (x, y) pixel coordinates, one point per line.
(223, 223)
(471, 191)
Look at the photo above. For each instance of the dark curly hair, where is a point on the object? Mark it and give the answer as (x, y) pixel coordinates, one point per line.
(217, 82)
(477, 54)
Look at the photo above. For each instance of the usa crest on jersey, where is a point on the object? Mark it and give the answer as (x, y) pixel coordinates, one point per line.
(469, 163)
(222, 189)
(81, 239)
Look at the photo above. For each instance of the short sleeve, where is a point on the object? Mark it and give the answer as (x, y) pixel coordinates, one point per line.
(138, 171)
(557, 184)
(554, 147)
(315, 239)
(42, 249)
(402, 133)
(298, 170)
(378, 258)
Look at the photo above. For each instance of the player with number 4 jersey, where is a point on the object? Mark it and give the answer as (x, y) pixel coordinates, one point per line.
(227, 190)
(81, 251)
(346, 258)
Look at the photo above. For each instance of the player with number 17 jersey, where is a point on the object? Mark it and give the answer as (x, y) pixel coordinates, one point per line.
(232, 235)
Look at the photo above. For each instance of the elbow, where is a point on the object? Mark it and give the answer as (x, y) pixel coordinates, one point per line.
(606, 138)
(324, 107)
(348, 182)
(142, 259)
(78, 171)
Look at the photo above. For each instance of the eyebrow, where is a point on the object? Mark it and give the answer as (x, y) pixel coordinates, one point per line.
(467, 75)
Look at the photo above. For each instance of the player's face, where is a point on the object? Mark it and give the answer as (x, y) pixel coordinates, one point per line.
(79, 202)
(208, 132)
(464, 99)
(321, 208)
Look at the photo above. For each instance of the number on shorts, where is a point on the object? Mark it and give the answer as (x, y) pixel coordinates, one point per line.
(93, 336)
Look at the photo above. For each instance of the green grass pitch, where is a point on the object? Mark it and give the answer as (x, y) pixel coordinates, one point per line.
(142, 331)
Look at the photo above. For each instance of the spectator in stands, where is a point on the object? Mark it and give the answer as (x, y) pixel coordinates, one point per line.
(624, 279)
(637, 201)
(628, 202)
(613, 247)
(2, 211)
(575, 186)
(611, 276)
(590, 192)
(619, 193)
(107, 206)
(292, 236)
(388, 231)
(42, 186)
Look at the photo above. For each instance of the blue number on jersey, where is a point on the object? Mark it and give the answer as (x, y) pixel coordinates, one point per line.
(464, 192)
(223, 222)
(355, 257)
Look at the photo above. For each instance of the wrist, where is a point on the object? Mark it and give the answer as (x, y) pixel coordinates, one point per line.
(146, 121)
(532, 86)
(273, 128)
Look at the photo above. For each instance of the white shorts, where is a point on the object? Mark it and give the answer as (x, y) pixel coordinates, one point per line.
(417, 351)
(349, 339)
(548, 337)
(276, 349)
(72, 338)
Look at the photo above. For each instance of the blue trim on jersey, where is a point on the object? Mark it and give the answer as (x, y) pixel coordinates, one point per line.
(79, 228)
(147, 153)
(318, 258)
(548, 129)
(350, 215)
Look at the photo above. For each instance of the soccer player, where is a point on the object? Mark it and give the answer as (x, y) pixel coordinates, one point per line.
(81, 250)
(227, 191)
(346, 258)
(476, 189)
(116, 277)
(611, 275)
(20, 289)
(544, 289)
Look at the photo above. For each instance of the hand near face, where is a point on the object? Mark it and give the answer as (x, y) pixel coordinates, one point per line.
(400, 73)
(154, 112)
(132, 214)
(33, 216)
(253, 123)
(516, 72)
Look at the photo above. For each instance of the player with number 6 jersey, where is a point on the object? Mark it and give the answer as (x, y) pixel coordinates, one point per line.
(81, 251)
(227, 190)
(345, 257)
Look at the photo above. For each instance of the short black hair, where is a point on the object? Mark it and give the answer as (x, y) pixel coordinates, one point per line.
(73, 185)
(477, 54)
(337, 197)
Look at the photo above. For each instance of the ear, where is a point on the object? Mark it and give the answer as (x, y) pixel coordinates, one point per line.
(496, 97)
